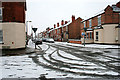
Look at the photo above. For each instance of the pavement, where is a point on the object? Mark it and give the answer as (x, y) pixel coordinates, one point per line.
(12, 52)
(30, 48)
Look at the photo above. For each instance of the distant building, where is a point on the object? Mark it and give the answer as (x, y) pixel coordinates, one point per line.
(74, 28)
(104, 27)
(12, 24)
(67, 30)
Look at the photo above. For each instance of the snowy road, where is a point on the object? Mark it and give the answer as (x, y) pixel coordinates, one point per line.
(63, 60)
(90, 62)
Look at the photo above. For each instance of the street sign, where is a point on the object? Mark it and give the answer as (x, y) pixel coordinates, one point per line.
(34, 29)
(83, 33)
(85, 29)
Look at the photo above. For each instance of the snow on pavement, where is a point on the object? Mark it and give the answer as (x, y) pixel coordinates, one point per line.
(89, 45)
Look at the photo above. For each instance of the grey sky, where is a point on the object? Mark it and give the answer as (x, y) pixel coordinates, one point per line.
(46, 13)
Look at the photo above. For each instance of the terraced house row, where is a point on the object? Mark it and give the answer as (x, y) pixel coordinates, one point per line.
(102, 28)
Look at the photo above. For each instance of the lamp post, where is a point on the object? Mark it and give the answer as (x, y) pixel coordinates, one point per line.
(27, 27)
(35, 29)
(27, 32)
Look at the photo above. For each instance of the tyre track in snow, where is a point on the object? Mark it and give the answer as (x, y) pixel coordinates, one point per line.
(102, 49)
(35, 59)
(57, 62)
(88, 59)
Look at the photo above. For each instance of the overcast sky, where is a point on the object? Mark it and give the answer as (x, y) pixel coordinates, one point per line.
(46, 13)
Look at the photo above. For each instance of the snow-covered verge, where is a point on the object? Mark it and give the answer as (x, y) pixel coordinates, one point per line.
(90, 45)
(24, 67)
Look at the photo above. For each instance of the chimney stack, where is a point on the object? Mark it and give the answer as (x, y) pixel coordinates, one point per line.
(57, 24)
(54, 25)
(62, 22)
(73, 18)
(118, 4)
(66, 22)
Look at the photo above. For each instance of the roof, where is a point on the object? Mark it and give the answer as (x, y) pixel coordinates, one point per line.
(13, 0)
(97, 14)
(115, 8)
(62, 25)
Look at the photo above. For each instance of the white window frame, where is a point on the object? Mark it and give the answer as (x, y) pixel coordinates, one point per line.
(1, 36)
(90, 23)
(84, 24)
(99, 20)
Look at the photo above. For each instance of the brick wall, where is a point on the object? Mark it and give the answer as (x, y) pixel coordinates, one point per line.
(13, 12)
(74, 29)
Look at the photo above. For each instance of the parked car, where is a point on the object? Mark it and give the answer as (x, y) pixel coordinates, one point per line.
(50, 40)
(44, 39)
(38, 41)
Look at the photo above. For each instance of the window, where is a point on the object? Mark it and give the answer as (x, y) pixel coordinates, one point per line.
(66, 28)
(90, 35)
(87, 35)
(0, 14)
(99, 20)
(90, 23)
(84, 24)
(57, 31)
(1, 36)
(96, 36)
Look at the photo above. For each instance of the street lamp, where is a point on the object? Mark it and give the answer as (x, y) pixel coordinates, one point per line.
(35, 29)
(27, 27)
(27, 32)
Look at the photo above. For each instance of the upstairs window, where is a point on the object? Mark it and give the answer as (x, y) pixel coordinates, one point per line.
(99, 20)
(58, 31)
(66, 28)
(90, 23)
(84, 24)
(0, 14)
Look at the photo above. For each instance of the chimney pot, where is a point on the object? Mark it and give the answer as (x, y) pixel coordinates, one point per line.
(118, 4)
(54, 25)
(73, 18)
(57, 24)
(66, 22)
(62, 22)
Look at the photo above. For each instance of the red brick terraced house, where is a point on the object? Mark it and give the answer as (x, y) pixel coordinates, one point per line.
(74, 30)
(67, 30)
(12, 24)
(104, 27)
